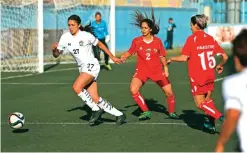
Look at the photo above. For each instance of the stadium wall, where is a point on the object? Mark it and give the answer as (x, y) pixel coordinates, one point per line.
(125, 32)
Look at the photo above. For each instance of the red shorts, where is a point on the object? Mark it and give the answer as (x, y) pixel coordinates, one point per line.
(198, 89)
(159, 78)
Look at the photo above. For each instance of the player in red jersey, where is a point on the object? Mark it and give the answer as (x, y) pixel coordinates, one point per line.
(199, 50)
(150, 61)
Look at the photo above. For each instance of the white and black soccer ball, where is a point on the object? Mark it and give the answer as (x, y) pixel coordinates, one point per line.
(16, 120)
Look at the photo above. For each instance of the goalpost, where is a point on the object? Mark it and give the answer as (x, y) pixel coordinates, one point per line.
(25, 47)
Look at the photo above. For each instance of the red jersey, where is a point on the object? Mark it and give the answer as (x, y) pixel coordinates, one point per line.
(148, 54)
(201, 49)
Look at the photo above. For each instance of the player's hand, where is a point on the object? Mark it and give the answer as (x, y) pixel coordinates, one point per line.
(107, 39)
(54, 46)
(219, 148)
(219, 69)
(167, 73)
(116, 60)
(168, 61)
(123, 59)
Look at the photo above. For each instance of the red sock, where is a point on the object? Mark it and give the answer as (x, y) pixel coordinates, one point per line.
(140, 102)
(209, 108)
(171, 103)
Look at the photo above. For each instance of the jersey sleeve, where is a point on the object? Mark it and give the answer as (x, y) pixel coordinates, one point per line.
(62, 45)
(162, 49)
(232, 96)
(132, 49)
(217, 49)
(188, 46)
(93, 40)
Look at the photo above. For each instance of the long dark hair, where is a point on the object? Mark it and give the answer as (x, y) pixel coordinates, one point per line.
(140, 17)
(86, 28)
(239, 47)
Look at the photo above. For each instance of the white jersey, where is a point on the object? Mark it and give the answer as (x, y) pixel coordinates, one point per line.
(235, 96)
(79, 46)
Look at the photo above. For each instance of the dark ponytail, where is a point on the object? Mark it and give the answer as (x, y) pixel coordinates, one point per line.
(140, 17)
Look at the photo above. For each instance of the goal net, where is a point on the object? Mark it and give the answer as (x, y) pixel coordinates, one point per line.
(30, 27)
(19, 36)
(62, 9)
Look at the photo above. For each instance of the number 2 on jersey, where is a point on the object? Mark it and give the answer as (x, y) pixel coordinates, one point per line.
(147, 56)
(210, 60)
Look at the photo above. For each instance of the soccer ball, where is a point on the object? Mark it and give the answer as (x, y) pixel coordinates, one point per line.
(16, 120)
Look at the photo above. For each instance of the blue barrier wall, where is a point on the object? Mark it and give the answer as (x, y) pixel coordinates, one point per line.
(125, 32)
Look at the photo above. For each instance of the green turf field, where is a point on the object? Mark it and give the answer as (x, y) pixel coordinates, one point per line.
(57, 120)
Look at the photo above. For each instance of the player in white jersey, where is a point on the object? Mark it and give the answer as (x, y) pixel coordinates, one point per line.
(235, 97)
(79, 44)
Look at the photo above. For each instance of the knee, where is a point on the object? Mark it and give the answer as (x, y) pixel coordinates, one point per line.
(134, 90)
(198, 103)
(77, 88)
(169, 94)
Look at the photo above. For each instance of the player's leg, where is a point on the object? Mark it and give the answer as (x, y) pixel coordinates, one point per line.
(96, 52)
(135, 86)
(203, 100)
(206, 104)
(104, 105)
(80, 83)
(166, 87)
(171, 47)
(106, 56)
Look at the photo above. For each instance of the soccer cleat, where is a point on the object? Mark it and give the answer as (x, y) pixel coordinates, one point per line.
(222, 118)
(95, 116)
(120, 119)
(145, 115)
(108, 66)
(209, 125)
(173, 115)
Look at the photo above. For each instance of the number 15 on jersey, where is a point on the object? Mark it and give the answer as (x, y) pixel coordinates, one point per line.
(207, 60)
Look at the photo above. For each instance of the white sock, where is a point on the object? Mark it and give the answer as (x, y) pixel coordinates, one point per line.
(107, 107)
(85, 96)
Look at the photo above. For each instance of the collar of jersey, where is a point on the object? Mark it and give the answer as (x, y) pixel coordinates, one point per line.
(148, 42)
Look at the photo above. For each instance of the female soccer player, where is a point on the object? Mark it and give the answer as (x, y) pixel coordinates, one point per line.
(150, 54)
(199, 51)
(99, 28)
(79, 44)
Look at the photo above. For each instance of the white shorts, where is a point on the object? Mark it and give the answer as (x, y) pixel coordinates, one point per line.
(92, 68)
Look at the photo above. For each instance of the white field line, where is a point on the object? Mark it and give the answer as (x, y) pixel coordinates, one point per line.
(64, 83)
(26, 75)
(106, 123)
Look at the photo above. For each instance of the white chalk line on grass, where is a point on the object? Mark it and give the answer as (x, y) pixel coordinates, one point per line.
(107, 123)
(60, 70)
(103, 83)
(16, 76)
(26, 75)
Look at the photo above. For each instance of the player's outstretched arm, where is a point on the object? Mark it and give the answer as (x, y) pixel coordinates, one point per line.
(230, 123)
(219, 68)
(125, 56)
(108, 52)
(164, 62)
(55, 51)
(180, 58)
